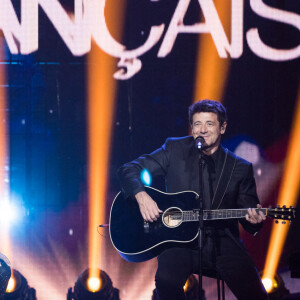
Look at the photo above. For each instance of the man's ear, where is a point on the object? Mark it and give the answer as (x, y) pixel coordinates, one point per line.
(223, 127)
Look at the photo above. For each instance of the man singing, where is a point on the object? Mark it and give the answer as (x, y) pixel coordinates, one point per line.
(228, 183)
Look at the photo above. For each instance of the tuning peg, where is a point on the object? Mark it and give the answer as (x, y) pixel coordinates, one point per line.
(291, 206)
(284, 206)
(277, 206)
(283, 222)
(276, 221)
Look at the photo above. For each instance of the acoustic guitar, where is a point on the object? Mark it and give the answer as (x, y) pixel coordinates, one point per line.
(137, 240)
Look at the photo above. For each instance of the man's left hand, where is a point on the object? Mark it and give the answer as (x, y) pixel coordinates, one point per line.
(253, 217)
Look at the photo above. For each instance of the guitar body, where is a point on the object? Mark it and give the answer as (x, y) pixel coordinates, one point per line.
(138, 241)
(177, 226)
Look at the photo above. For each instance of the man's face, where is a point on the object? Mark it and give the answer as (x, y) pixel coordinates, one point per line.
(206, 124)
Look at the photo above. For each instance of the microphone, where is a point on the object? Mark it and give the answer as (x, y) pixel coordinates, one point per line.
(199, 141)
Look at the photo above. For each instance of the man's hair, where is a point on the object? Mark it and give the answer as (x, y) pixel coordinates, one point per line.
(208, 106)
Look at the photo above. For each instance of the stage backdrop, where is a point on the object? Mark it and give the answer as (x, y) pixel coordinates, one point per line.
(164, 55)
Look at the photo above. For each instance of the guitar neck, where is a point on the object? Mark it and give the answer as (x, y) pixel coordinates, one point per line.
(219, 214)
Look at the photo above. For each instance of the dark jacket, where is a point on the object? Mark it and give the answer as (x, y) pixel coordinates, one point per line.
(177, 161)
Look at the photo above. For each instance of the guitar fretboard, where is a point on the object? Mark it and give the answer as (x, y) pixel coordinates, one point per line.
(218, 214)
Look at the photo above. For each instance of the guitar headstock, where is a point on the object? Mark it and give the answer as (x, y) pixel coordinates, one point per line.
(282, 213)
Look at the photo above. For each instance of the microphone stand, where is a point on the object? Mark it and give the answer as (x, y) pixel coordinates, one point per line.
(199, 143)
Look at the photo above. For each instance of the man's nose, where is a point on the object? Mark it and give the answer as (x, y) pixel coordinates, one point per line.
(203, 129)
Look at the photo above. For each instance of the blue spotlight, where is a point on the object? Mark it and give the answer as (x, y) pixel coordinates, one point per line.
(146, 177)
(9, 212)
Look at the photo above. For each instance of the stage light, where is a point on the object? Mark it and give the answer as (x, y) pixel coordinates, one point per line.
(275, 287)
(95, 288)
(288, 194)
(18, 288)
(146, 177)
(190, 288)
(212, 85)
(9, 212)
(94, 284)
(5, 274)
(101, 94)
(268, 284)
(11, 286)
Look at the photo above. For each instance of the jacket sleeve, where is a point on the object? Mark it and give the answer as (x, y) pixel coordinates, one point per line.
(248, 199)
(155, 163)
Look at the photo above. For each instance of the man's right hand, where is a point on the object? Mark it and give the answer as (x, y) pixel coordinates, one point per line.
(148, 207)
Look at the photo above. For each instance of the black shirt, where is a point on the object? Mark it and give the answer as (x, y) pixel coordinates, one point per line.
(212, 167)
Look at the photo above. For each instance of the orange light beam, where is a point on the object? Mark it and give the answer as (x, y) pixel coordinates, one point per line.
(3, 121)
(5, 245)
(211, 72)
(101, 101)
(288, 195)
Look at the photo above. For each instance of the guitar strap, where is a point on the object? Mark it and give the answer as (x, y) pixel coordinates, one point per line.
(224, 179)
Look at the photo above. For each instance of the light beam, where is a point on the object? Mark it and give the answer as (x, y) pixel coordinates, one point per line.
(5, 245)
(211, 72)
(288, 195)
(101, 100)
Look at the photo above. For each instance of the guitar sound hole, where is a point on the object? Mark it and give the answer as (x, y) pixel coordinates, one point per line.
(172, 217)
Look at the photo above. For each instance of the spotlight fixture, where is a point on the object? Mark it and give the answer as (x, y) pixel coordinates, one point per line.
(5, 273)
(190, 288)
(18, 288)
(96, 288)
(9, 212)
(275, 287)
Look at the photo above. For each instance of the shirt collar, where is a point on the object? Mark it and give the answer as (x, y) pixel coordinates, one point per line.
(215, 156)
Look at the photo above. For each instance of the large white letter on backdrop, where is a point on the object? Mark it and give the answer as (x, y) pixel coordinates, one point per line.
(128, 58)
(24, 33)
(211, 25)
(88, 21)
(256, 44)
(75, 33)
